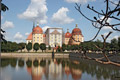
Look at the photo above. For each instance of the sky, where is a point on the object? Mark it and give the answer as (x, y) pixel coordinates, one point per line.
(18, 20)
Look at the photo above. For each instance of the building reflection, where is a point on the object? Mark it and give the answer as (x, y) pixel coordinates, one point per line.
(53, 70)
(67, 71)
(36, 72)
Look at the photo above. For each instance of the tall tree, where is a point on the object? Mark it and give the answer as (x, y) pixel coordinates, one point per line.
(2, 8)
(49, 48)
(43, 46)
(36, 47)
(114, 43)
(21, 46)
(119, 43)
(63, 47)
(29, 46)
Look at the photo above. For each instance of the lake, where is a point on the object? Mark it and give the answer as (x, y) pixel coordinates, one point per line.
(56, 69)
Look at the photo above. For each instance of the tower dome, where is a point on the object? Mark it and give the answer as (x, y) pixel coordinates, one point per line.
(76, 31)
(37, 30)
(67, 35)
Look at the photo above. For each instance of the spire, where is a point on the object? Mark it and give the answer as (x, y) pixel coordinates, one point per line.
(76, 25)
(67, 30)
(33, 25)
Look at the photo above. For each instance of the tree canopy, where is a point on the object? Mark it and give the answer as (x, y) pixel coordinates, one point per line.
(29, 46)
(43, 46)
(36, 47)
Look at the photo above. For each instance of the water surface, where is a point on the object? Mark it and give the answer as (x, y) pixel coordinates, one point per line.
(56, 69)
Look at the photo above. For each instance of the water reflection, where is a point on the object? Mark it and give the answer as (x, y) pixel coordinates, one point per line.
(62, 69)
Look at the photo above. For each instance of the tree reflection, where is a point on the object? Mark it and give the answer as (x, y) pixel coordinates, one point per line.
(35, 63)
(55, 69)
(21, 63)
(42, 63)
(4, 62)
(29, 63)
(13, 62)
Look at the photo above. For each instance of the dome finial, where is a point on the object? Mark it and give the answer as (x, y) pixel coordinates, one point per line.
(37, 23)
(76, 25)
(67, 30)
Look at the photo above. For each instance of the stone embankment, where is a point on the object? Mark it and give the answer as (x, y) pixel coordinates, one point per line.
(33, 55)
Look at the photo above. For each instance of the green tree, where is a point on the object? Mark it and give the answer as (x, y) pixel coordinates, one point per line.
(49, 48)
(119, 43)
(3, 8)
(29, 46)
(21, 46)
(68, 47)
(114, 45)
(9, 46)
(63, 47)
(36, 47)
(58, 49)
(43, 46)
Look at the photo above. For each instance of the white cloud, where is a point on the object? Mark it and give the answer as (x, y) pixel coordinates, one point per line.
(116, 37)
(7, 24)
(61, 16)
(78, 1)
(36, 11)
(27, 34)
(106, 28)
(45, 28)
(19, 37)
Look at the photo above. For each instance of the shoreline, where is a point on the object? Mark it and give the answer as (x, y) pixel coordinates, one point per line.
(34, 55)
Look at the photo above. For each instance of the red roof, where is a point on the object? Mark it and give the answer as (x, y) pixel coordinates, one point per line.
(76, 31)
(67, 35)
(44, 35)
(37, 30)
(29, 37)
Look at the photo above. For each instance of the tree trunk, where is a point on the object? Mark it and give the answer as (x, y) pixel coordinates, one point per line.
(105, 56)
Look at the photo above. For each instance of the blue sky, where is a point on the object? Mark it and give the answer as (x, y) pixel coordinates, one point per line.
(18, 20)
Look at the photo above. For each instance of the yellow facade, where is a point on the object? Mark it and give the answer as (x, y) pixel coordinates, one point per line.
(55, 40)
(37, 38)
(77, 39)
(67, 41)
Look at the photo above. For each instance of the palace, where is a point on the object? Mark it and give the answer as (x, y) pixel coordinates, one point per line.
(55, 36)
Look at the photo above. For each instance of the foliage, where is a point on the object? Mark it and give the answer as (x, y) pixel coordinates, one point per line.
(9, 46)
(29, 46)
(113, 44)
(3, 8)
(119, 43)
(49, 48)
(43, 46)
(36, 47)
(58, 49)
(21, 46)
(63, 47)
